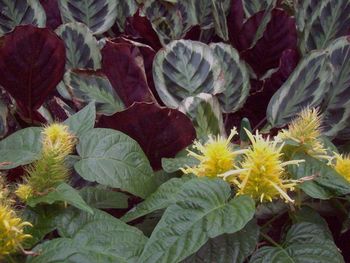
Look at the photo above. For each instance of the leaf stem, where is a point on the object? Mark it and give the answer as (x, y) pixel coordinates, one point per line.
(268, 238)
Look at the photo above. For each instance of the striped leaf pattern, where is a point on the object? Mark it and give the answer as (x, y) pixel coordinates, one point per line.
(82, 49)
(236, 84)
(20, 12)
(306, 86)
(185, 68)
(98, 15)
(337, 113)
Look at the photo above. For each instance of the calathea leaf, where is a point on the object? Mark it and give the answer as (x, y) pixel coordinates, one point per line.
(32, 64)
(304, 242)
(20, 12)
(82, 49)
(337, 112)
(304, 10)
(306, 86)
(53, 16)
(186, 68)
(202, 211)
(113, 159)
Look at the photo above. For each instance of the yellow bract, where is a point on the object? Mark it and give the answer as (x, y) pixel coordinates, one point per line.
(24, 192)
(306, 131)
(342, 165)
(216, 156)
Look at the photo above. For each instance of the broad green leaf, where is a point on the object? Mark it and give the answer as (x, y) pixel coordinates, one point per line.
(185, 68)
(113, 159)
(205, 112)
(98, 15)
(63, 193)
(307, 214)
(86, 86)
(165, 195)
(228, 248)
(83, 121)
(236, 84)
(102, 238)
(336, 120)
(203, 211)
(327, 182)
(330, 21)
(306, 86)
(102, 198)
(82, 49)
(172, 165)
(304, 243)
(20, 12)
(21, 148)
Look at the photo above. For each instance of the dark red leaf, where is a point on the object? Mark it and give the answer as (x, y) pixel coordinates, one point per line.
(53, 16)
(160, 131)
(248, 30)
(235, 21)
(193, 34)
(124, 66)
(32, 63)
(280, 34)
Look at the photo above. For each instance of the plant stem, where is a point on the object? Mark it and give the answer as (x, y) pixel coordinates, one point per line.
(268, 238)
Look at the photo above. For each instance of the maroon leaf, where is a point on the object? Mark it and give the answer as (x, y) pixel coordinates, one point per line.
(160, 131)
(280, 34)
(123, 64)
(248, 30)
(53, 16)
(235, 21)
(194, 33)
(31, 64)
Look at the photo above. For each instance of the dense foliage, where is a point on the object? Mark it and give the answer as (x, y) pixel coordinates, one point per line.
(174, 131)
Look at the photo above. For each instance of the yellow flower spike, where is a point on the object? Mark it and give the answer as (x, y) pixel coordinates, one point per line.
(342, 165)
(11, 231)
(306, 131)
(24, 192)
(56, 137)
(262, 175)
(216, 156)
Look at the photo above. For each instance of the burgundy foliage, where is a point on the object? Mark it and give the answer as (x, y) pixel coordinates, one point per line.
(53, 16)
(32, 63)
(160, 131)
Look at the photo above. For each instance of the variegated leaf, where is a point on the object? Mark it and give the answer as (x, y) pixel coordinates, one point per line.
(252, 7)
(236, 84)
(125, 8)
(98, 15)
(20, 12)
(82, 49)
(330, 21)
(337, 113)
(205, 113)
(186, 68)
(86, 86)
(220, 22)
(304, 9)
(4, 113)
(306, 86)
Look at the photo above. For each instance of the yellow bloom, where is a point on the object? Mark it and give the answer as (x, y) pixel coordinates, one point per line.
(261, 174)
(342, 165)
(56, 137)
(216, 156)
(306, 131)
(11, 231)
(24, 192)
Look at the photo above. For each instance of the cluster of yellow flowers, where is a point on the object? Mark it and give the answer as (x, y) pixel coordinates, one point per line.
(260, 170)
(50, 170)
(11, 226)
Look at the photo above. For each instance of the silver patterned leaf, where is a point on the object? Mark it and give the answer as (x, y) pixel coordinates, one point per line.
(186, 68)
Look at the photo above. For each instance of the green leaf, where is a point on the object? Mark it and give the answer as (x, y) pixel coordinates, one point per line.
(203, 211)
(236, 84)
(205, 113)
(63, 193)
(328, 182)
(228, 248)
(83, 121)
(4, 116)
(307, 214)
(252, 7)
(82, 49)
(98, 238)
(102, 198)
(125, 9)
(185, 68)
(337, 113)
(165, 195)
(114, 159)
(304, 10)
(98, 15)
(172, 165)
(220, 22)
(329, 21)
(86, 86)
(20, 12)
(21, 148)
(304, 242)
(306, 86)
